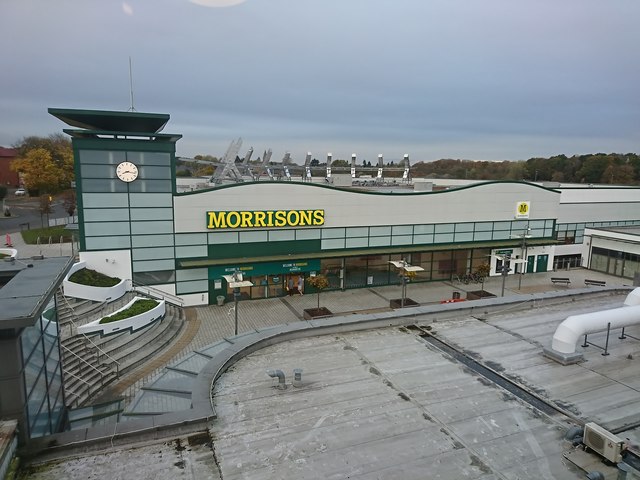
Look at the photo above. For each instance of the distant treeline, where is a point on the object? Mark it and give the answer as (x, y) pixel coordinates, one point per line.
(612, 168)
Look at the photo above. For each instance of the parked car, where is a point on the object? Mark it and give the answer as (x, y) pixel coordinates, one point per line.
(21, 192)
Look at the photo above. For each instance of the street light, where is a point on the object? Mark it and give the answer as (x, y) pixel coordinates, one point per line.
(404, 268)
(524, 235)
(236, 282)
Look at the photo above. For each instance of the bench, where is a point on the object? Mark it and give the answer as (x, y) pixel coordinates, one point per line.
(598, 283)
(564, 280)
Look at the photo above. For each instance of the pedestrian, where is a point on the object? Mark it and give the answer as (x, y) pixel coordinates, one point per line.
(300, 284)
(290, 286)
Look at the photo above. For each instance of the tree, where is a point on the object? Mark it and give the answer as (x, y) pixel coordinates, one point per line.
(319, 282)
(45, 163)
(339, 163)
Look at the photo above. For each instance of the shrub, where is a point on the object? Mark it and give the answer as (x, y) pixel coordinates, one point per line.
(92, 278)
(138, 307)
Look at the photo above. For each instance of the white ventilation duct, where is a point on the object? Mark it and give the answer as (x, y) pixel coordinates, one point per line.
(575, 326)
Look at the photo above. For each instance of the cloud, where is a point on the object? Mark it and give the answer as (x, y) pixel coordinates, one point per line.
(127, 9)
(217, 3)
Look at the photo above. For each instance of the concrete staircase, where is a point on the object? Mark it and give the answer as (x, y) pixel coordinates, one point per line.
(91, 363)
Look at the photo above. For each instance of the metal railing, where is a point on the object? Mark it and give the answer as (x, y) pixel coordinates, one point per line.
(99, 351)
(86, 363)
(157, 293)
(77, 395)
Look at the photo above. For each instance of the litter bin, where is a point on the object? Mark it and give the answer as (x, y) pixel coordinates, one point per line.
(220, 299)
(456, 295)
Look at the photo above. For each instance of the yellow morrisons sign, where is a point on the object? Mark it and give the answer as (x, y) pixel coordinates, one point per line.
(264, 219)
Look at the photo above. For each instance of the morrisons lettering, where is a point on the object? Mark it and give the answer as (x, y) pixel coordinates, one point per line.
(264, 219)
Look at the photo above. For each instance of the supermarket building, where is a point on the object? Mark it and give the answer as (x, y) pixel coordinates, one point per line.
(133, 223)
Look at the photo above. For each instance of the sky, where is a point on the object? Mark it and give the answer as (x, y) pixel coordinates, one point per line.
(469, 79)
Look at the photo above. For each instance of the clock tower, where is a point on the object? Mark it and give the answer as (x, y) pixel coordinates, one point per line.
(125, 182)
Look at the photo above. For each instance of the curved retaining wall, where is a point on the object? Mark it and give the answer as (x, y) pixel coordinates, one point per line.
(87, 292)
(132, 323)
(202, 411)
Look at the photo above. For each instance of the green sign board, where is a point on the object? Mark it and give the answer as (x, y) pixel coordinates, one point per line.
(267, 268)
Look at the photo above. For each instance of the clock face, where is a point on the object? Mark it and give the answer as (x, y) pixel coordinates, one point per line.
(127, 171)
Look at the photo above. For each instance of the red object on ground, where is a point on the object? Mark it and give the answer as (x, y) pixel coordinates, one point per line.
(453, 300)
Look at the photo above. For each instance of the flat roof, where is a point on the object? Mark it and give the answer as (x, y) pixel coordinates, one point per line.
(388, 403)
(630, 230)
(23, 298)
(112, 121)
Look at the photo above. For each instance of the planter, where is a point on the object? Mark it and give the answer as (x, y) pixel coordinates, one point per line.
(478, 294)
(132, 323)
(87, 292)
(397, 303)
(311, 313)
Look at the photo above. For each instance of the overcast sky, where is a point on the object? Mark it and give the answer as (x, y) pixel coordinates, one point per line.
(490, 79)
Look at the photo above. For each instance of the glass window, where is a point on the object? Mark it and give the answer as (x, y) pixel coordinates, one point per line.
(281, 235)
(443, 238)
(358, 242)
(152, 241)
(444, 228)
(355, 272)
(195, 286)
(402, 230)
(151, 214)
(107, 243)
(484, 226)
(147, 172)
(379, 241)
(223, 237)
(151, 227)
(423, 239)
(331, 267)
(152, 253)
(106, 228)
(357, 231)
(101, 157)
(151, 186)
(333, 233)
(401, 240)
(464, 236)
(250, 237)
(149, 158)
(330, 244)
(106, 214)
(379, 231)
(154, 278)
(151, 199)
(195, 274)
(192, 251)
(309, 234)
(153, 265)
(464, 227)
(99, 171)
(482, 236)
(105, 200)
(423, 229)
(191, 238)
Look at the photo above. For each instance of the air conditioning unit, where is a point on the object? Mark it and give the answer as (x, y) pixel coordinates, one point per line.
(603, 442)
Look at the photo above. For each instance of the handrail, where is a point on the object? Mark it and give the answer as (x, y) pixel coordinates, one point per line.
(100, 351)
(83, 360)
(157, 292)
(67, 372)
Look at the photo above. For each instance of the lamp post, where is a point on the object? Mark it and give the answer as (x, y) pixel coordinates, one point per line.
(236, 282)
(505, 270)
(526, 234)
(404, 268)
